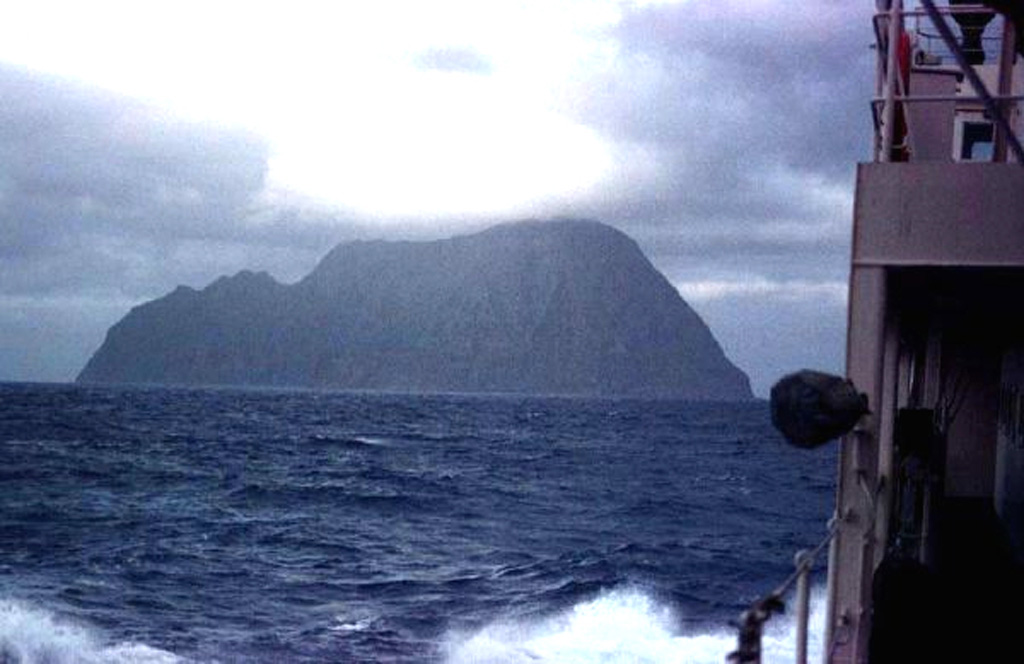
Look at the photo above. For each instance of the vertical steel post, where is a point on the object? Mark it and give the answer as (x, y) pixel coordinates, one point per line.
(1007, 58)
(849, 612)
(830, 586)
(891, 72)
(803, 603)
(886, 433)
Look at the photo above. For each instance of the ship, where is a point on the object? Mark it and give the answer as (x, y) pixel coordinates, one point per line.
(925, 551)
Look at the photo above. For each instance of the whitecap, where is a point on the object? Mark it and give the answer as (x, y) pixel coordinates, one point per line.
(343, 624)
(621, 625)
(372, 441)
(30, 635)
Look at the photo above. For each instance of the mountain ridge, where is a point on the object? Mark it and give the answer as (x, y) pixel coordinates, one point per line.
(554, 307)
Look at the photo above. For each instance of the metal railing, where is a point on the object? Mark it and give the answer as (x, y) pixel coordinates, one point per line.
(889, 114)
(751, 622)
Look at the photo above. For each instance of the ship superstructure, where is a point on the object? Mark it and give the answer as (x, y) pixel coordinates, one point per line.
(927, 542)
(930, 502)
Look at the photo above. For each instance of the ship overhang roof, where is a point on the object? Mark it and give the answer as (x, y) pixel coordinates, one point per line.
(937, 214)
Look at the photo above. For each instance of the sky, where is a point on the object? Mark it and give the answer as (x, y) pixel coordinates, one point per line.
(145, 145)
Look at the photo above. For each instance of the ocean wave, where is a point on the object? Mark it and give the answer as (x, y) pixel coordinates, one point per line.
(31, 635)
(339, 493)
(351, 441)
(623, 624)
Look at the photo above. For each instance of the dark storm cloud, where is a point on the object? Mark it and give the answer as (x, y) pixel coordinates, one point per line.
(452, 59)
(105, 202)
(747, 120)
(75, 162)
(791, 85)
(753, 121)
(100, 192)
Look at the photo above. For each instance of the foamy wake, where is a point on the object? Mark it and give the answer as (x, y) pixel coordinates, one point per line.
(29, 635)
(622, 625)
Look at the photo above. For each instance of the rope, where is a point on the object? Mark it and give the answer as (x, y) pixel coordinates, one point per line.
(806, 560)
(751, 623)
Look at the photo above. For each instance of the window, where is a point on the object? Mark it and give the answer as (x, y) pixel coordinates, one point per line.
(975, 140)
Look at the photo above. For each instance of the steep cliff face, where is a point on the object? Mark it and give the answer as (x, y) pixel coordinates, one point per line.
(568, 307)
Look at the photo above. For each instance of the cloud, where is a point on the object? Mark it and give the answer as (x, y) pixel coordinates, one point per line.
(735, 128)
(721, 94)
(771, 328)
(75, 162)
(105, 201)
(721, 135)
(750, 76)
(702, 291)
(98, 191)
(80, 150)
(453, 59)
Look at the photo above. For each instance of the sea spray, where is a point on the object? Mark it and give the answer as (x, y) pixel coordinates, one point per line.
(30, 635)
(622, 625)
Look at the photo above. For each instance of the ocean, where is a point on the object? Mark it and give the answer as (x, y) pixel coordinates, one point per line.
(242, 525)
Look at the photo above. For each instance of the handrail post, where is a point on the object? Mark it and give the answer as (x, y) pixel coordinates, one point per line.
(751, 629)
(831, 583)
(1007, 58)
(748, 649)
(803, 604)
(891, 72)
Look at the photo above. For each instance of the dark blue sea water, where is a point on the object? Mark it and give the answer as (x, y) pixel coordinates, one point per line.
(168, 525)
